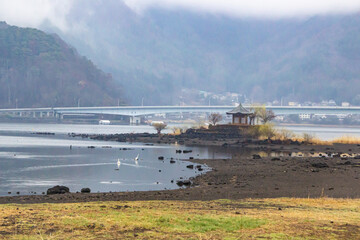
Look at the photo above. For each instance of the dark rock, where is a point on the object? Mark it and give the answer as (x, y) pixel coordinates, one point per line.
(172, 161)
(191, 158)
(91, 146)
(178, 151)
(357, 157)
(320, 165)
(181, 183)
(256, 156)
(85, 190)
(161, 158)
(191, 166)
(187, 151)
(57, 190)
(275, 159)
(187, 182)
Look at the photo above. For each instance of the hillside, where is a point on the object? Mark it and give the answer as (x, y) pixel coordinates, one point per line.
(41, 70)
(160, 52)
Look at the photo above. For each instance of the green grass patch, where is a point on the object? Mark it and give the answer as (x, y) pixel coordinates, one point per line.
(223, 219)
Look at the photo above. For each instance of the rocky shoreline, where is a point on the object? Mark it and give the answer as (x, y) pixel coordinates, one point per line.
(280, 169)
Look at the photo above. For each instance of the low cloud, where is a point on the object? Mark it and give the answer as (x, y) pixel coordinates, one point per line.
(253, 8)
(32, 13)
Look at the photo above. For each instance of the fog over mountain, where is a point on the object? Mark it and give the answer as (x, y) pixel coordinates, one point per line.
(156, 48)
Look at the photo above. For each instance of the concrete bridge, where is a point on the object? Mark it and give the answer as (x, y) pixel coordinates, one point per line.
(137, 111)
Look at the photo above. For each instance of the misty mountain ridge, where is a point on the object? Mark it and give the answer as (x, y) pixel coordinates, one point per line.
(159, 53)
(41, 70)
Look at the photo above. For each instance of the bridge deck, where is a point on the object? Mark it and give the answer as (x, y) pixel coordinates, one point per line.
(148, 110)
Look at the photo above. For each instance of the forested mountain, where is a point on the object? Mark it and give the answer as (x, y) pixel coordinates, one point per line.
(41, 70)
(159, 52)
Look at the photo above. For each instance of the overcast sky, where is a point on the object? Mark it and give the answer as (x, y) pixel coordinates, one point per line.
(33, 12)
(254, 8)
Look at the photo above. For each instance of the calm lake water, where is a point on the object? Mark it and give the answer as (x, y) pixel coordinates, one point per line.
(32, 163)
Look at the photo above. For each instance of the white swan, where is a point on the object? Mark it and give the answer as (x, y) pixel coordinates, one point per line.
(118, 164)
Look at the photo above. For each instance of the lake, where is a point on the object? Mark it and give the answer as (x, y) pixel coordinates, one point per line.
(31, 163)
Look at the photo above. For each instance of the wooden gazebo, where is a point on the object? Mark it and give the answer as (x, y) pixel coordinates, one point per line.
(242, 116)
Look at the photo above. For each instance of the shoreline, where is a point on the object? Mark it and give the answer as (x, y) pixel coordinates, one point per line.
(244, 177)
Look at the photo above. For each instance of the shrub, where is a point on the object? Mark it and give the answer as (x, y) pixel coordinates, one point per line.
(284, 134)
(308, 137)
(159, 127)
(267, 130)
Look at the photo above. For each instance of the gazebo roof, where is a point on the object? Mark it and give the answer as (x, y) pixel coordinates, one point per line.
(240, 110)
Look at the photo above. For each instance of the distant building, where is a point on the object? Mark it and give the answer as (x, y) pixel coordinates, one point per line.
(332, 103)
(345, 104)
(279, 118)
(304, 116)
(293, 104)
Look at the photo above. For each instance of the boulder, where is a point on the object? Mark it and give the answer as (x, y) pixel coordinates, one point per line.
(85, 190)
(256, 156)
(181, 183)
(191, 166)
(57, 190)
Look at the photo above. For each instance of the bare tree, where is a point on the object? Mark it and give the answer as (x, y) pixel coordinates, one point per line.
(159, 127)
(264, 115)
(214, 118)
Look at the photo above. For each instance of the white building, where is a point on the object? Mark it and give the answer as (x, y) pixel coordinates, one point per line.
(345, 104)
(304, 116)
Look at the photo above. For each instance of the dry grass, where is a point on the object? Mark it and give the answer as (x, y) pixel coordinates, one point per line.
(282, 218)
(347, 140)
(283, 134)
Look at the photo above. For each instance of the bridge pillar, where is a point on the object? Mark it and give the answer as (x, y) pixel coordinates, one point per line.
(135, 120)
(59, 115)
